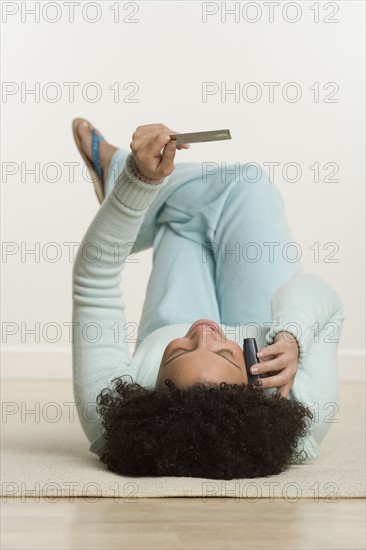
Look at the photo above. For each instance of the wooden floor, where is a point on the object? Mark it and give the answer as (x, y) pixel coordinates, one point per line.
(182, 523)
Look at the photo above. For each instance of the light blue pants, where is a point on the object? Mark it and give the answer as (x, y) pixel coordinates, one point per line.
(221, 245)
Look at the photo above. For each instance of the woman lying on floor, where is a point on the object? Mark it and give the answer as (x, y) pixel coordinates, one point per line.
(225, 267)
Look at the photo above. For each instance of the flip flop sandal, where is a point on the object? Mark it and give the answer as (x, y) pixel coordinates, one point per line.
(93, 166)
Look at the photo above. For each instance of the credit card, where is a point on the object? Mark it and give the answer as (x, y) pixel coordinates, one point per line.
(199, 137)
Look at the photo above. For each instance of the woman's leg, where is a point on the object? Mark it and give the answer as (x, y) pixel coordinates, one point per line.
(254, 251)
(235, 235)
(181, 287)
(115, 168)
(222, 246)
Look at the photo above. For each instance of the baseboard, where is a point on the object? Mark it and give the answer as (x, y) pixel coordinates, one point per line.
(29, 362)
(351, 363)
(57, 363)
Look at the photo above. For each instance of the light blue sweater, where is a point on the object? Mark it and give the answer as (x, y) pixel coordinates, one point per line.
(100, 343)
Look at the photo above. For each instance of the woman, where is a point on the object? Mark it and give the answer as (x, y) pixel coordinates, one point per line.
(225, 268)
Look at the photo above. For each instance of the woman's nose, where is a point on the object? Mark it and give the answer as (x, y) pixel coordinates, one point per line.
(204, 338)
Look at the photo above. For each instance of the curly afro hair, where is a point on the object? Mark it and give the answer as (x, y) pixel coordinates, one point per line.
(217, 431)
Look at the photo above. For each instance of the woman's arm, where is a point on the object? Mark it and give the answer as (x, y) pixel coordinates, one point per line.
(306, 307)
(100, 344)
(312, 311)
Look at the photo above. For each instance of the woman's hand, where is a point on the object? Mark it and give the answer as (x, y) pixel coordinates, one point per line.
(146, 145)
(279, 363)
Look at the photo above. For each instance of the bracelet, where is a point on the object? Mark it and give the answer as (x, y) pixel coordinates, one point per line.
(136, 172)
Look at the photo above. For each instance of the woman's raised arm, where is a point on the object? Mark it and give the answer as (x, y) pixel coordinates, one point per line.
(100, 345)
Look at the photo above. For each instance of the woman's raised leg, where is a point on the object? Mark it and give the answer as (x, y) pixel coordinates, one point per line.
(253, 248)
(222, 246)
(235, 234)
(115, 168)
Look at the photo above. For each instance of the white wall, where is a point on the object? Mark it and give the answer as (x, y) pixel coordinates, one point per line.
(169, 52)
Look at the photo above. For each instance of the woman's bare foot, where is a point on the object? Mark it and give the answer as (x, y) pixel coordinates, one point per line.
(106, 150)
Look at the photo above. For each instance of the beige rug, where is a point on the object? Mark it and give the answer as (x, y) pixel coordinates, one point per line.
(45, 454)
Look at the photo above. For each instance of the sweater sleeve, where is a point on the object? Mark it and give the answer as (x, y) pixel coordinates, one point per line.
(100, 349)
(303, 306)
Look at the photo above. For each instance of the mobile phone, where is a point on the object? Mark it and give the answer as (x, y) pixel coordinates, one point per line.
(250, 357)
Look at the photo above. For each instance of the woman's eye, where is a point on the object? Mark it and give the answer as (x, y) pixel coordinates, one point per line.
(174, 350)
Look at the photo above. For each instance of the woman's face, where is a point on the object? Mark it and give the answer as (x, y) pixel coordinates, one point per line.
(203, 358)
